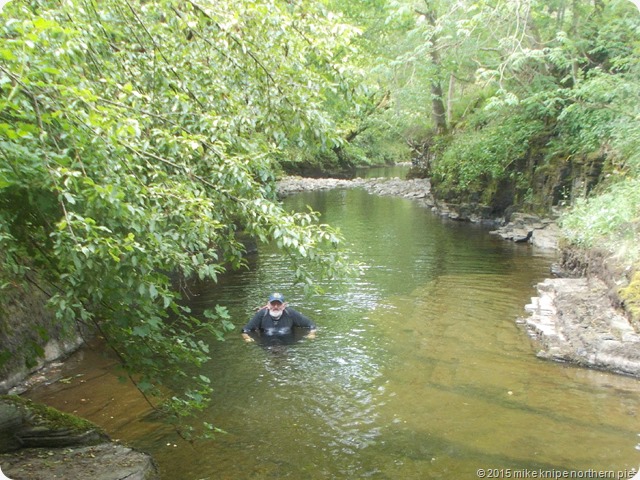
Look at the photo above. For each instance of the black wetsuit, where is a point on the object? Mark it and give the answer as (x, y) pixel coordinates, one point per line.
(284, 325)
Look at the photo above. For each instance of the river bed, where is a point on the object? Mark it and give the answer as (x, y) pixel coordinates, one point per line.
(419, 369)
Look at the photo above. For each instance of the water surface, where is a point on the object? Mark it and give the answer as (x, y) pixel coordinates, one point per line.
(418, 369)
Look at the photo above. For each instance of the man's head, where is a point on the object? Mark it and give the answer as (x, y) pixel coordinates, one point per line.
(276, 305)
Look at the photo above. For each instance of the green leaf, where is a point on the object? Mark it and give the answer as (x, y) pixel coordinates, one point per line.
(69, 198)
(141, 331)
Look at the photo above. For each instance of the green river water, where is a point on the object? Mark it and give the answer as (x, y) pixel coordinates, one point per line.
(418, 371)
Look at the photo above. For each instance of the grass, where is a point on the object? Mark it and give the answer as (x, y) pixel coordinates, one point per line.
(609, 221)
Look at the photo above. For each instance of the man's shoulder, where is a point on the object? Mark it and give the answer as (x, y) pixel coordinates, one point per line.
(297, 315)
(260, 312)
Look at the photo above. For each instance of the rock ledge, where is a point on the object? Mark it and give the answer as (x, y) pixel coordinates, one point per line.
(573, 320)
(42, 443)
(105, 461)
(541, 232)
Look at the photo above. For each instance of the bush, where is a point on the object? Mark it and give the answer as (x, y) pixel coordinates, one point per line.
(478, 158)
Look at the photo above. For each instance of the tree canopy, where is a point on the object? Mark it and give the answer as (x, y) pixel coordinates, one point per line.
(138, 146)
(525, 105)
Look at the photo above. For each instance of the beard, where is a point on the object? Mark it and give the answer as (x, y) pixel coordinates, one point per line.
(275, 313)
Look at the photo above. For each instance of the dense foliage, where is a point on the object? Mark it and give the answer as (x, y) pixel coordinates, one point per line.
(137, 149)
(522, 104)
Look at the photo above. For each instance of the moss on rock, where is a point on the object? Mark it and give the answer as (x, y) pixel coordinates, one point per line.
(47, 416)
(24, 423)
(630, 296)
(31, 437)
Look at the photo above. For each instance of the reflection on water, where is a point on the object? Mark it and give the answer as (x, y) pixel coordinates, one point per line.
(418, 370)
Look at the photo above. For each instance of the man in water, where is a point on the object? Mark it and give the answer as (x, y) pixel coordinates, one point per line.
(277, 318)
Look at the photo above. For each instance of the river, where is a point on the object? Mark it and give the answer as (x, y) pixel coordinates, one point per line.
(418, 370)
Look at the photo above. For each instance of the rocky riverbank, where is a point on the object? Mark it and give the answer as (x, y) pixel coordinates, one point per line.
(419, 189)
(578, 320)
(521, 228)
(41, 443)
(541, 232)
(573, 320)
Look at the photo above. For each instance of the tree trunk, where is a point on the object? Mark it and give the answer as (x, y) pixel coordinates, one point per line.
(438, 111)
(450, 93)
(437, 108)
(575, 22)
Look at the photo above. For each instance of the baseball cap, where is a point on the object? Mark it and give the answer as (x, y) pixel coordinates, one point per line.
(276, 297)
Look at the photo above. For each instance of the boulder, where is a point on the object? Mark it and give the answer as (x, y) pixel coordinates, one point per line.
(541, 232)
(105, 461)
(39, 442)
(26, 424)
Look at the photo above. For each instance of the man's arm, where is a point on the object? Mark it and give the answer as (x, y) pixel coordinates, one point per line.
(299, 320)
(253, 324)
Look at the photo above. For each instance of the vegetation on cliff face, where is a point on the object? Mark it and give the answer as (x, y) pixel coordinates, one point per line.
(630, 295)
(525, 104)
(609, 220)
